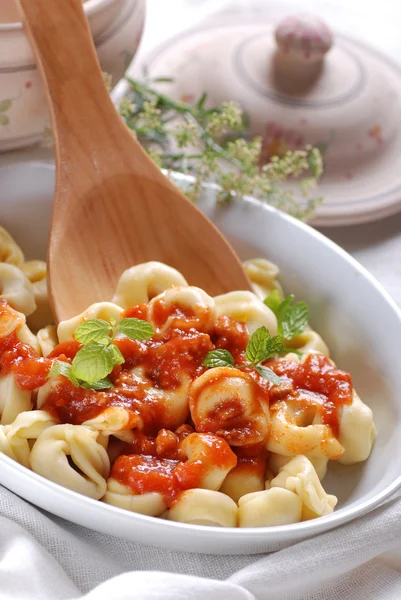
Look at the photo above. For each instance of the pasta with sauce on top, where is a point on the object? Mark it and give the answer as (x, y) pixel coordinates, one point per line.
(191, 408)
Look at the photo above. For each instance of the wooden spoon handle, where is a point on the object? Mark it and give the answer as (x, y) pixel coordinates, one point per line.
(67, 59)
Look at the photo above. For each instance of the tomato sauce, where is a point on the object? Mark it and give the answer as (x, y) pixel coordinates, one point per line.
(29, 369)
(317, 374)
(154, 461)
(146, 474)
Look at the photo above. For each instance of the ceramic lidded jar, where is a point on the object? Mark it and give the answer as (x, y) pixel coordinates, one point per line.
(300, 84)
(116, 27)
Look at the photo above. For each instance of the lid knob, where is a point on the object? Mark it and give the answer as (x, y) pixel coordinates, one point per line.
(304, 38)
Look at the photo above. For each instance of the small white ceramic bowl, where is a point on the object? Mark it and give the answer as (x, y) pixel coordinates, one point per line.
(116, 27)
(359, 321)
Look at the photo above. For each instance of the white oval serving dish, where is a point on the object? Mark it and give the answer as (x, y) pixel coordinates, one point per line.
(360, 322)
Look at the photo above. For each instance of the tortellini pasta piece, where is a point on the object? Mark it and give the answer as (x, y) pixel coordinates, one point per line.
(10, 252)
(182, 308)
(16, 439)
(228, 402)
(174, 401)
(35, 270)
(296, 429)
(120, 495)
(204, 507)
(57, 445)
(300, 477)
(13, 399)
(357, 431)
(99, 310)
(16, 288)
(246, 307)
(309, 341)
(47, 339)
(143, 282)
(263, 276)
(12, 320)
(115, 421)
(268, 508)
(213, 454)
(277, 461)
(247, 477)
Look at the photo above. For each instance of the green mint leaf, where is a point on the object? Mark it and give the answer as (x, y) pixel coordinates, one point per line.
(274, 346)
(295, 320)
(273, 301)
(93, 330)
(256, 348)
(218, 358)
(92, 362)
(63, 368)
(116, 356)
(282, 309)
(102, 384)
(268, 374)
(136, 329)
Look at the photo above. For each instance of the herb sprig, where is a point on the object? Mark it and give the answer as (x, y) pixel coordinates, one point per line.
(292, 318)
(97, 358)
(213, 145)
(260, 347)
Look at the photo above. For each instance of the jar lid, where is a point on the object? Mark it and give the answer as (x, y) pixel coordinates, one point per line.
(299, 84)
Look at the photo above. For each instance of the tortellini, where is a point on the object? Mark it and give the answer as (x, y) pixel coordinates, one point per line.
(268, 508)
(143, 282)
(10, 252)
(248, 476)
(16, 439)
(357, 431)
(204, 507)
(100, 310)
(213, 453)
(263, 276)
(227, 402)
(248, 308)
(16, 288)
(47, 339)
(300, 477)
(296, 429)
(13, 399)
(309, 341)
(90, 467)
(120, 495)
(112, 421)
(35, 271)
(185, 307)
(277, 461)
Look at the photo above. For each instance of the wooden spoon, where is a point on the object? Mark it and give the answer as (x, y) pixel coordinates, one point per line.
(113, 207)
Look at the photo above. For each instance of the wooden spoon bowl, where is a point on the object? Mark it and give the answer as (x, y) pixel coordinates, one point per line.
(113, 207)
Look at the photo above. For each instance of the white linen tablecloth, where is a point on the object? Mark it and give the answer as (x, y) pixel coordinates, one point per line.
(45, 557)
